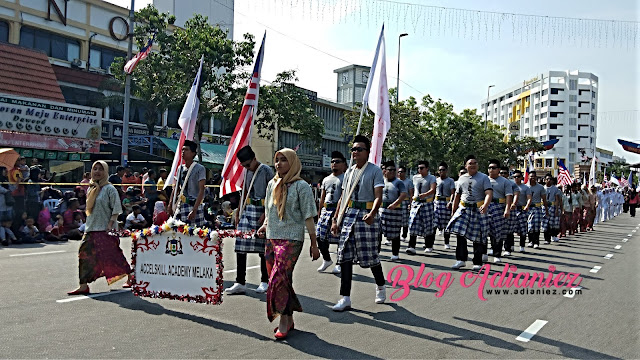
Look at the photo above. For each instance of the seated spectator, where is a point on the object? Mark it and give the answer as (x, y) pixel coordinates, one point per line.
(6, 234)
(132, 198)
(70, 226)
(56, 232)
(44, 218)
(225, 216)
(135, 220)
(81, 194)
(160, 215)
(29, 232)
(86, 177)
(78, 217)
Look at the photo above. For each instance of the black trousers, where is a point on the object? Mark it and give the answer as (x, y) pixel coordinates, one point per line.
(496, 246)
(323, 246)
(508, 243)
(347, 275)
(534, 238)
(428, 241)
(241, 275)
(462, 253)
(632, 209)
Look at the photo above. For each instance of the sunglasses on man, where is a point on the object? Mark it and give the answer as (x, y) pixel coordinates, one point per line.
(358, 149)
(337, 161)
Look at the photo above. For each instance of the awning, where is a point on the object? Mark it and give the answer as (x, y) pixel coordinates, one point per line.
(211, 153)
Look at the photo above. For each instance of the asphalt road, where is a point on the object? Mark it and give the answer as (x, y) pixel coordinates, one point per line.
(38, 320)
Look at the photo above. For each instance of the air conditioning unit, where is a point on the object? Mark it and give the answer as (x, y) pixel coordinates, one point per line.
(77, 63)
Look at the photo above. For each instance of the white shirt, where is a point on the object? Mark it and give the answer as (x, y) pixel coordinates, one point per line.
(131, 217)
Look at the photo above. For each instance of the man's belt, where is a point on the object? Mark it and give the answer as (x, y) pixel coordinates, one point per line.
(417, 199)
(387, 204)
(330, 206)
(472, 205)
(362, 205)
(536, 204)
(258, 202)
(444, 198)
(499, 201)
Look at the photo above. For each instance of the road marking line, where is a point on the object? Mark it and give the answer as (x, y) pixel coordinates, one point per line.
(595, 269)
(573, 292)
(618, 247)
(249, 268)
(91, 296)
(39, 253)
(625, 240)
(633, 231)
(608, 256)
(532, 330)
(630, 235)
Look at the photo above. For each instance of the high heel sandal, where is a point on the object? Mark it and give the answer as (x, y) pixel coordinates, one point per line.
(79, 292)
(280, 335)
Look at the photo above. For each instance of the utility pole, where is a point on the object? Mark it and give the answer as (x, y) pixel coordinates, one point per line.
(486, 109)
(127, 93)
(398, 79)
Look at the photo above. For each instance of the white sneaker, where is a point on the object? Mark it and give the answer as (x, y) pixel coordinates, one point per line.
(447, 247)
(490, 252)
(485, 257)
(262, 288)
(236, 289)
(381, 294)
(536, 246)
(547, 242)
(476, 267)
(343, 304)
(325, 265)
(395, 257)
(459, 264)
(428, 250)
(521, 249)
(506, 253)
(496, 260)
(336, 270)
(387, 242)
(411, 251)
(530, 245)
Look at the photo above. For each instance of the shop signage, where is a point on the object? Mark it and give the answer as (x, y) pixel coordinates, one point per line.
(35, 116)
(313, 161)
(116, 131)
(33, 141)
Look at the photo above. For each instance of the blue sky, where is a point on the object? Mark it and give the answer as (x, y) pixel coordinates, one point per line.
(449, 67)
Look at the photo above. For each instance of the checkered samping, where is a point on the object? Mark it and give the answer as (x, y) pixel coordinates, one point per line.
(518, 222)
(182, 214)
(468, 222)
(498, 225)
(323, 228)
(406, 205)
(442, 215)
(249, 220)
(552, 221)
(358, 241)
(421, 219)
(391, 222)
(534, 220)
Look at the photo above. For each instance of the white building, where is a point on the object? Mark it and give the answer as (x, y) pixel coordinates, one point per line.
(553, 105)
(219, 12)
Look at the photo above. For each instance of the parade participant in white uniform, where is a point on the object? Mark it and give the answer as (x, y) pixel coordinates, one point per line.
(599, 205)
(393, 193)
(357, 222)
(406, 204)
(551, 222)
(421, 216)
(252, 215)
(538, 200)
(470, 220)
(508, 243)
(499, 209)
(331, 192)
(445, 188)
(606, 200)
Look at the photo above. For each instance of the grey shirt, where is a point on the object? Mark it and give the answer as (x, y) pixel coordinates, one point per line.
(537, 192)
(472, 188)
(501, 187)
(192, 186)
(445, 187)
(370, 179)
(524, 193)
(422, 184)
(107, 204)
(552, 192)
(332, 186)
(259, 189)
(392, 190)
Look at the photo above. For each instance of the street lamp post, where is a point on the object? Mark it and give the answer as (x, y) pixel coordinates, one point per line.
(398, 79)
(486, 110)
(127, 93)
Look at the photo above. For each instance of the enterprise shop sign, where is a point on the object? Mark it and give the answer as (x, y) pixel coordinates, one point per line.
(35, 116)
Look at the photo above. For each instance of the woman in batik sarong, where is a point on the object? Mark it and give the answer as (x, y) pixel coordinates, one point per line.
(289, 208)
(100, 254)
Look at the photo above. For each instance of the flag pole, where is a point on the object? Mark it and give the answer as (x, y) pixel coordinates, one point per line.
(127, 92)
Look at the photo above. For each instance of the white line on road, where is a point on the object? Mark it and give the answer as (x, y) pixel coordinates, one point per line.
(618, 247)
(249, 268)
(39, 253)
(625, 240)
(608, 256)
(571, 293)
(531, 330)
(634, 231)
(630, 235)
(91, 296)
(595, 269)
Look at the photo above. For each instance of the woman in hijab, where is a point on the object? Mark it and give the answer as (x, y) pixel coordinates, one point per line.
(289, 208)
(160, 215)
(100, 254)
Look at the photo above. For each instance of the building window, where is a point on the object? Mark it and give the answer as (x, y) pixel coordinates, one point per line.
(573, 133)
(573, 121)
(593, 94)
(544, 103)
(102, 57)
(556, 91)
(573, 145)
(548, 163)
(4, 31)
(573, 98)
(502, 117)
(518, 113)
(554, 126)
(53, 45)
(537, 106)
(544, 115)
(573, 84)
(573, 109)
(526, 120)
(572, 157)
(593, 106)
(593, 117)
(555, 102)
(526, 131)
(543, 127)
(593, 129)
(535, 129)
(545, 92)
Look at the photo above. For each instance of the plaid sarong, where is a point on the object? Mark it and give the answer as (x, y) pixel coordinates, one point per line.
(468, 222)
(391, 222)
(249, 222)
(406, 205)
(358, 241)
(323, 228)
(518, 222)
(552, 221)
(498, 225)
(183, 213)
(442, 215)
(421, 219)
(534, 220)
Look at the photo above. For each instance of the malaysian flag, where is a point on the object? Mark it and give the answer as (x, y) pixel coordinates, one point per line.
(141, 55)
(233, 172)
(528, 165)
(624, 182)
(564, 176)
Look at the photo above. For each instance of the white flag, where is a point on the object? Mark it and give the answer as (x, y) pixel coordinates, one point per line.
(592, 171)
(382, 121)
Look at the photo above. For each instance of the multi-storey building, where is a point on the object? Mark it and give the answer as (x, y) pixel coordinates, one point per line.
(553, 105)
(219, 12)
(352, 82)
